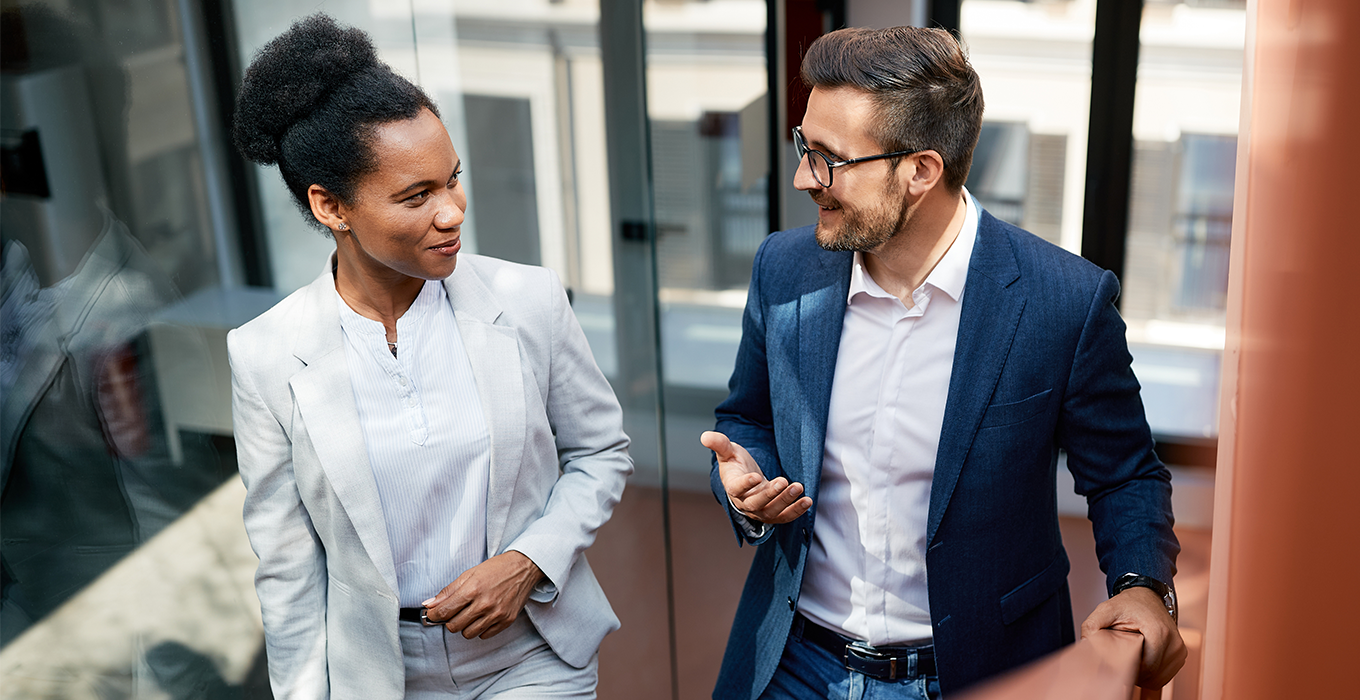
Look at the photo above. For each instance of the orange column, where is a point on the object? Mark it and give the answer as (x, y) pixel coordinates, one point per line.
(1284, 604)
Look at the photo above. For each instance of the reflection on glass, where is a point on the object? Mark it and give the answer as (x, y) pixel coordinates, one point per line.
(1034, 59)
(1000, 170)
(105, 222)
(707, 110)
(708, 115)
(1180, 209)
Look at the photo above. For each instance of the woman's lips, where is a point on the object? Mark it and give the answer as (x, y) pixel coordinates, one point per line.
(449, 248)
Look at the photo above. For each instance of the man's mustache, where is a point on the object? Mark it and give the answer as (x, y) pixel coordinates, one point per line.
(824, 200)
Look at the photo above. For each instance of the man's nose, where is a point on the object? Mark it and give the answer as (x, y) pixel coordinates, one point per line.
(802, 178)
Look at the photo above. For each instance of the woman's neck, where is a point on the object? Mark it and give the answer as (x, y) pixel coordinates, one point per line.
(382, 297)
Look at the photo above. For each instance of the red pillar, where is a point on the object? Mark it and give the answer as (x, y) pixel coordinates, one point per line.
(1284, 604)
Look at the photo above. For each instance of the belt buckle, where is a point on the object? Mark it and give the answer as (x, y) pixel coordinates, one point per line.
(425, 619)
(867, 652)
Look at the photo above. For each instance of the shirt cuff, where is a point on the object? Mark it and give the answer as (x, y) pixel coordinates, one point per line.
(752, 528)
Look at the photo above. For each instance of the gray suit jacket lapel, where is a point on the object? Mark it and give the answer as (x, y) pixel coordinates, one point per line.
(990, 315)
(325, 399)
(493, 352)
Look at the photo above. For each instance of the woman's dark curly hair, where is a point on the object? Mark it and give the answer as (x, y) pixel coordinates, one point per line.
(310, 101)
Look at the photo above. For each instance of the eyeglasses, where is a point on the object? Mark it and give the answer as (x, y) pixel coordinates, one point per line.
(822, 166)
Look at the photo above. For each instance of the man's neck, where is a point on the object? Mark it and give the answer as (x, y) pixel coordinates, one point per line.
(902, 265)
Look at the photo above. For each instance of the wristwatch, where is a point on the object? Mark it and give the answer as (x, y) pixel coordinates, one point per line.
(1167, 593)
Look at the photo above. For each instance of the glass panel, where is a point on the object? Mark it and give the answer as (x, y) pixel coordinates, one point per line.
(1180, 210)
(1034, 59)
(707, 108)
(525, 82)
(119, 511)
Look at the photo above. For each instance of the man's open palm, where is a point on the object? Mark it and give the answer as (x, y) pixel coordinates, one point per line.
(768, 501)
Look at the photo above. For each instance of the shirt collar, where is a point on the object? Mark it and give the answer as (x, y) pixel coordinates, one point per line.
(949, 274)
(431, 294)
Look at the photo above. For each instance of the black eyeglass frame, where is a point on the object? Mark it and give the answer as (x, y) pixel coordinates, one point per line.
(800, 144)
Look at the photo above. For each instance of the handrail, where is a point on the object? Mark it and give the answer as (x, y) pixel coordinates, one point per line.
(1102, 666)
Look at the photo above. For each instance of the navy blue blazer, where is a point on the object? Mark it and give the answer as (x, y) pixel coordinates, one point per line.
(1041, 364)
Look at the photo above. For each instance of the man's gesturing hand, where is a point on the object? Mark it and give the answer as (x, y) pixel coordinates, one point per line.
(1140, 610)
(773, 502)
(486, 598)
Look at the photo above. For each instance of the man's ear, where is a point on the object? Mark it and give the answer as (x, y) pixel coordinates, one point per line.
(925, 170)
(326, 207)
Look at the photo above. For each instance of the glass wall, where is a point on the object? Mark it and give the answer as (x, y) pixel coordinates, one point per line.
(1180, 212)
(1034, 59)
(135, 238)
(708, 116)
(120, 514)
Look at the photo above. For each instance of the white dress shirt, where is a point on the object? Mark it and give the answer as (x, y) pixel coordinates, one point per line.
(426, 438)
(866, 569)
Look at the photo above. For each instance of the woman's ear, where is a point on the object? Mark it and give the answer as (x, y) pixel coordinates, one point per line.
(326, 208)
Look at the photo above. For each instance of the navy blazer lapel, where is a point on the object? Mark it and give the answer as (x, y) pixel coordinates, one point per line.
(990, 315)
(821, 315)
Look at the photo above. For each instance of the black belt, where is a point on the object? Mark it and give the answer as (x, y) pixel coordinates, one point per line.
(416, 615)
(884, 663)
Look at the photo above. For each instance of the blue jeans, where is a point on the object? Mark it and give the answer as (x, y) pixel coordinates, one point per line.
(809, 672)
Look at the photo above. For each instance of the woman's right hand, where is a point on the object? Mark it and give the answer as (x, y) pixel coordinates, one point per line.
(487, 598)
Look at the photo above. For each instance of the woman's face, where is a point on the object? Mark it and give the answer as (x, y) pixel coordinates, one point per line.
(407, 215)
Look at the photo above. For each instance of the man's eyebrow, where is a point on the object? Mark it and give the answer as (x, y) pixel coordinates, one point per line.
(818, 145)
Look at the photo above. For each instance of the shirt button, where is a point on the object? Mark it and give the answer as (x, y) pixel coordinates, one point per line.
(401, 381)
(411, 403)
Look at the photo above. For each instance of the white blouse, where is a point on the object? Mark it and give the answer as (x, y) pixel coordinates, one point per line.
(426, 438)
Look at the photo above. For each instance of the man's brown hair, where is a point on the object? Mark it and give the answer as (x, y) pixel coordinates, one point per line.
(928, 95)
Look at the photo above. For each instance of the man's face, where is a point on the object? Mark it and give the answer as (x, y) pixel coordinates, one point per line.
(866, 203)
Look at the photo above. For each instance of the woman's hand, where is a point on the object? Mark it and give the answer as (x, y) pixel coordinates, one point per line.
(485, 599)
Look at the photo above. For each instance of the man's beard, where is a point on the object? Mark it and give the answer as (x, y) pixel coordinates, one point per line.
(860, 229)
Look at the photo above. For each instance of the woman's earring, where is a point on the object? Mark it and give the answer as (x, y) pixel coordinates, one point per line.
(343, 226)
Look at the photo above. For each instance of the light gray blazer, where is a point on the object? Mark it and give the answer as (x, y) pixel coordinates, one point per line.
(326, 581)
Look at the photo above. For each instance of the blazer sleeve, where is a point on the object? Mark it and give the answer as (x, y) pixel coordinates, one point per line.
(291, 579)
(746, 417)
(592, 451)
(1109, 449)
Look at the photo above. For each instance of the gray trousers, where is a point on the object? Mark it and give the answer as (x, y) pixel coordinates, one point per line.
(516, 663)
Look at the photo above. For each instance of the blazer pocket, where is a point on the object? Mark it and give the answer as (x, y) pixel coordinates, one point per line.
(1040, 587)
(1003, 414)
(342, 587)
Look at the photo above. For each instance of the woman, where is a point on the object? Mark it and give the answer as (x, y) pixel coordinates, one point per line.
(426, 442)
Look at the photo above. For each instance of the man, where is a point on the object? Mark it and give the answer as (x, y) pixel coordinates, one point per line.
(909, 370)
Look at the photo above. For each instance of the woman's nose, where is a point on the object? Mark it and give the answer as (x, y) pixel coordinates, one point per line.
(451, 206)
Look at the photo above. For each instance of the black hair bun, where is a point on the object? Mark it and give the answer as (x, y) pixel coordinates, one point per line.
(291, 77)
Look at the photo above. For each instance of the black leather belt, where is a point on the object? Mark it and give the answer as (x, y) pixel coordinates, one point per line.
(887, 663)
(416, 615)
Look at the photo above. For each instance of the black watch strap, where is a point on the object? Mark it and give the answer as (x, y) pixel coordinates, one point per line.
(1165, 592)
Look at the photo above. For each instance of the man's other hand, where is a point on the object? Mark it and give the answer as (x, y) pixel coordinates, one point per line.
(485, 599)
(768, 501)
(1140, 610)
